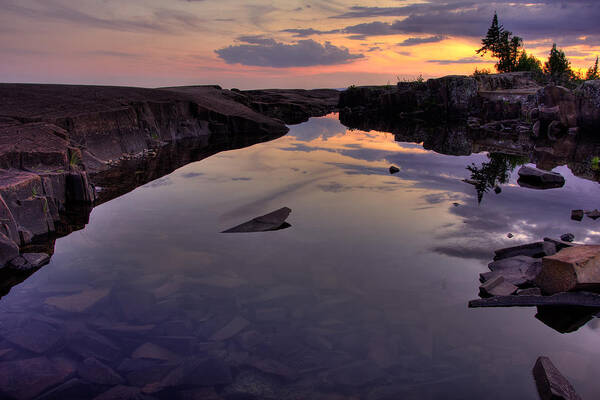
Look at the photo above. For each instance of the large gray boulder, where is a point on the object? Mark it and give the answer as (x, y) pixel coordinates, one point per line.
(572, 268)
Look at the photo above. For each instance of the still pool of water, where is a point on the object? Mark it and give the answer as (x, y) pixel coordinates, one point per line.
(364, 296)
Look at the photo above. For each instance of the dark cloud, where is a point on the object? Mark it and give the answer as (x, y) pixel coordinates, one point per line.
(162, 20)
(308, 32)
(256, 39)
(415, 41)
(304, 53)
(564, 22)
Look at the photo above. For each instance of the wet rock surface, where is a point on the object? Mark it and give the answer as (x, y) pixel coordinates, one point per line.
(551, 384)
(272, 221)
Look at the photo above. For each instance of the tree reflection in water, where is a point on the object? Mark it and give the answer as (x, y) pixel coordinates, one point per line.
(494, 172)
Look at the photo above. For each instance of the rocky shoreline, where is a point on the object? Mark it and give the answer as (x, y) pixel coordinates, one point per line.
(64, 149)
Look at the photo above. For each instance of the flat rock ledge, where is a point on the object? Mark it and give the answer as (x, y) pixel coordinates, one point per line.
(66, 147)
(560, 278)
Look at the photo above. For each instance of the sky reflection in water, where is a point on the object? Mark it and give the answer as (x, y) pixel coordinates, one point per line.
(371, 280)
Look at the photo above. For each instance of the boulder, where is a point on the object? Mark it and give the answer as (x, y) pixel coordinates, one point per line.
(36, 260)
(551, 384)
(536, 250)
(534, 291)
(567, 237)
(539, 179)
(558, 244)
(268, 222)
(595, 214)
(563, 100)
(497, 286)
(573, 268)
(518, 270)
(8, 250)
(577, 215)
(20, 264)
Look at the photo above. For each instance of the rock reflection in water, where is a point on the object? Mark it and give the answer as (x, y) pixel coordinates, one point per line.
(121, 179)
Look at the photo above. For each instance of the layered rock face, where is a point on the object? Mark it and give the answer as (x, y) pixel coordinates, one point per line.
(515, 100)
(59, 142)
(448, 98)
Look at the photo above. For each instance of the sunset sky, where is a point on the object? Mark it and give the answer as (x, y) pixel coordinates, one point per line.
(262, 43)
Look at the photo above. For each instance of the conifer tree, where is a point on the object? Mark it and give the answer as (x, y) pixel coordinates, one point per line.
(558, 66)
(592, 72)
(501, 44)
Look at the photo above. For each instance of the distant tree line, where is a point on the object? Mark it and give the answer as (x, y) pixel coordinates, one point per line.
(512, 57)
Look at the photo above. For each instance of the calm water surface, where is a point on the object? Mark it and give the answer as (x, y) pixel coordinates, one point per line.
(365, 296)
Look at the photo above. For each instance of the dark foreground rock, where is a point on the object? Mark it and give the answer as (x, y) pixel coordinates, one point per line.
(269, 222)
(551, 384)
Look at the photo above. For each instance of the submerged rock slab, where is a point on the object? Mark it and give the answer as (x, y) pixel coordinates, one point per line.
(551, 384)
(269, 222)
(25, 379)
(79, 302)
(573, 268)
